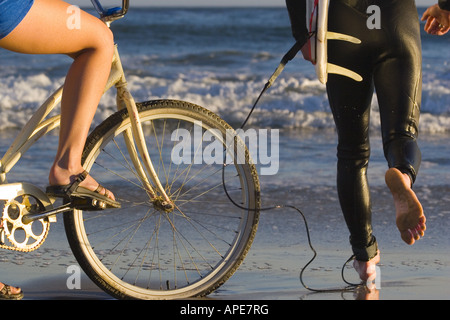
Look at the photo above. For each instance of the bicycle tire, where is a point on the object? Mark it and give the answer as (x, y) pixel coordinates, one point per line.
(188, 252)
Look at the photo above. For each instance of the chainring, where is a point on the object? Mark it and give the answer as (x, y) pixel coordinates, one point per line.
(23, 237)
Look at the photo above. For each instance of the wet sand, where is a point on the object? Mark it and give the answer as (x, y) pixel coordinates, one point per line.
(280, 250)
(272, 267)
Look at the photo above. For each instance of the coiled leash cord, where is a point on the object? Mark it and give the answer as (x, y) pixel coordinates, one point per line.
(286, 58)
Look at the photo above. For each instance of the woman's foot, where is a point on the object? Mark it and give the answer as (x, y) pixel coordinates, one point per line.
(9, 292)
(59, 177)
(410, 219)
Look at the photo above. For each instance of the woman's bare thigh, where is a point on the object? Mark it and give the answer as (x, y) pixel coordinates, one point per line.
(49, 28)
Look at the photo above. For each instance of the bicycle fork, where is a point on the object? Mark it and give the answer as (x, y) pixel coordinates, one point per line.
(143, 164)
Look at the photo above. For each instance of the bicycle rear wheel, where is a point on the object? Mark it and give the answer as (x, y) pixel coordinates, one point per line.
(145, 252)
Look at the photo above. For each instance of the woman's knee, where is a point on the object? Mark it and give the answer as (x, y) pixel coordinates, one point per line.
(100, 41)
(105, 38)
(105, 41)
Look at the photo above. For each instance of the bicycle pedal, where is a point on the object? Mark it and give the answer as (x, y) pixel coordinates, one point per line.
(88, 204)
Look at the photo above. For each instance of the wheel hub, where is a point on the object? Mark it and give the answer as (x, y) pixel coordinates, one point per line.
(162, 205)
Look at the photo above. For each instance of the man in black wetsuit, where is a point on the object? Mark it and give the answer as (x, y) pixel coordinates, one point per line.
(389, 60)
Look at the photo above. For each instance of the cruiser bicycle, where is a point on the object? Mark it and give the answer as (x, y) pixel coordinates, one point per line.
(185, 222)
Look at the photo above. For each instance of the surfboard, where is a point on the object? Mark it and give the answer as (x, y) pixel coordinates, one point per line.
(317, 25)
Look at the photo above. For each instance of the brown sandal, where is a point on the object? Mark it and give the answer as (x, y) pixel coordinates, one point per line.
(73, 193)
(6, 294)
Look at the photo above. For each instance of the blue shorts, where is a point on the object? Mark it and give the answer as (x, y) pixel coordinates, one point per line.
(12, 13)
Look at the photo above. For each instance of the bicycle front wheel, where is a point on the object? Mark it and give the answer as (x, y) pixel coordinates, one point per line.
(143, 251)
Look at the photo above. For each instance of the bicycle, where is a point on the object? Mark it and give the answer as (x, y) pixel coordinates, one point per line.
(176, 235)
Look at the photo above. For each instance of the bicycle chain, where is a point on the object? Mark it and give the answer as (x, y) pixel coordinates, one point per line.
(10, 248)
(6, 219)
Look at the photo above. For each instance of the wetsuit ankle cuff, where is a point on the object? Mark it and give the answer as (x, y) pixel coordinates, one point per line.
(366, 253)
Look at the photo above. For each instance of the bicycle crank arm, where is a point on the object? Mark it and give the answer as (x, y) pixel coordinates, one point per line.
(30, 217)
(76, 203)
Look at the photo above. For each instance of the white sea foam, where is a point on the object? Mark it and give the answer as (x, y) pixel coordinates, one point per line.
(293, 101)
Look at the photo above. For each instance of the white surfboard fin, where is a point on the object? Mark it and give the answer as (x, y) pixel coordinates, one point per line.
(332, 68)
(343, 37)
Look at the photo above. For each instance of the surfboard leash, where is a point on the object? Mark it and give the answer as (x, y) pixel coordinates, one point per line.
(284, 61)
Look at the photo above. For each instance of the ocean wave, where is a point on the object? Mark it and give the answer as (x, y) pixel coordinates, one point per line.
(294, 101)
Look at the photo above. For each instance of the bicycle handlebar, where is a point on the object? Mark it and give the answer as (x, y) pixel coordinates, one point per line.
(115, 13)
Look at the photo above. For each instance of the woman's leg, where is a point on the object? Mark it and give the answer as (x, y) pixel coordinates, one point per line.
(45, 31)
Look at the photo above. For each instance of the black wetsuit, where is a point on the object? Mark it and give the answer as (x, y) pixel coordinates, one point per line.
(389, 60)
(444, 4)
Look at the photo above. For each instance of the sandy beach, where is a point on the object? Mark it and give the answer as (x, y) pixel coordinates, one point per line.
(280, 250)
(271, 269)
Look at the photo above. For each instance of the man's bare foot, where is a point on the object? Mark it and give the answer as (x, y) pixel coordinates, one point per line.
(366, 269)
(410, 219)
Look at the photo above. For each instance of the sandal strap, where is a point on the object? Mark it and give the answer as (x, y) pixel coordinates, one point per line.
(101, 188)
(6, 290)
(78, 179)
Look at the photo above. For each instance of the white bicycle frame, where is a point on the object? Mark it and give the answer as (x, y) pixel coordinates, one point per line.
(37, 127)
